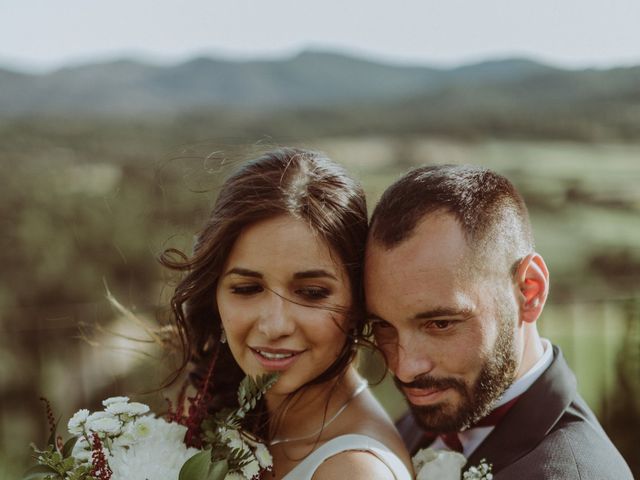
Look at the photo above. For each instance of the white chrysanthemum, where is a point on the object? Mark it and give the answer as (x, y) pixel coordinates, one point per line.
(441, 464)
(107, 425)
(264, 457)
(112, 400)
(131, 409)
(97, 415)
(159, 455)
(251, 469)
(81, 450)
(76, 423)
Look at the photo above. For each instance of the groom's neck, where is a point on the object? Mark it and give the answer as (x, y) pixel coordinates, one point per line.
(532, 349)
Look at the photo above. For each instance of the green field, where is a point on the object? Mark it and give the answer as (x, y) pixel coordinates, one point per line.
(82, 205)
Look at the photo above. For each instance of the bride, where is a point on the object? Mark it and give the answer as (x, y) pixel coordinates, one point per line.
(274, 285)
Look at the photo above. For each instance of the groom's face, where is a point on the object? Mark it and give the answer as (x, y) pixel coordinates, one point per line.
(446, 323)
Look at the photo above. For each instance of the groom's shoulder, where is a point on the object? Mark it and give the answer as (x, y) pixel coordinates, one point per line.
(575, 449)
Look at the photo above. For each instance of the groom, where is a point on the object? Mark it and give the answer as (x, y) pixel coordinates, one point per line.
(454, 288)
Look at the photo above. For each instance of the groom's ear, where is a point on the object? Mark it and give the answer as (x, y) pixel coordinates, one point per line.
(532, 281)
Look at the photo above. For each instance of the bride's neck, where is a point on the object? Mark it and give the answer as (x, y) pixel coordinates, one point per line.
(308, 409)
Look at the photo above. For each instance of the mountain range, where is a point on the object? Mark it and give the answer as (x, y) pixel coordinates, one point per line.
(516, 88)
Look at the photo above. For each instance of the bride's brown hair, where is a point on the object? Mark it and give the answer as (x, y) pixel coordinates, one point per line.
(289, 181)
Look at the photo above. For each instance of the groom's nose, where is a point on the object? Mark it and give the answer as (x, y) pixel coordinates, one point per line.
(411, 360)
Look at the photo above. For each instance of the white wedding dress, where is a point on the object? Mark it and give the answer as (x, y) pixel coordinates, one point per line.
(344, 443)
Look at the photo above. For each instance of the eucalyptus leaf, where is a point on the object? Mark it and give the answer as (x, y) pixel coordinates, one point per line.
(197, 467)
(68, 446)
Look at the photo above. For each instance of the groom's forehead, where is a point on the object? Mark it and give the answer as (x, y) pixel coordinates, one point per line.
(437, 241)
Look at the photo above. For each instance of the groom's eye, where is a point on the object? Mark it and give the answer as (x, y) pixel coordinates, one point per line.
(441, 324)
(381, 325)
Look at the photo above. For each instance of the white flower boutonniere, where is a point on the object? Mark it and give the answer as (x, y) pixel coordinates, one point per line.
(431, 464)
(481, 472)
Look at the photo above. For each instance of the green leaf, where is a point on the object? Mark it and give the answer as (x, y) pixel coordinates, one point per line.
(218, 470)
(68, 446)
(197, 467)
(39, 472)
(250, 389)
(52, 439)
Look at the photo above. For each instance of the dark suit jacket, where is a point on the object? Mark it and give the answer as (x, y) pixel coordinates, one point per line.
(550, 433)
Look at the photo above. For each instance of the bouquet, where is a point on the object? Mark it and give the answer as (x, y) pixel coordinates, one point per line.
(125, 441)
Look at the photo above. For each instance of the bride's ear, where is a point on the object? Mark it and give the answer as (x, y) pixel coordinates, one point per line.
(532, 281)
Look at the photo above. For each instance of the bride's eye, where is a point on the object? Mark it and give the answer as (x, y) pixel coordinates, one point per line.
(314, 293)
(246, 290)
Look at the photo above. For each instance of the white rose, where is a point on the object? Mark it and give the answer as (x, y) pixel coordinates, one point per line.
(431, 464)
(76, 423)
(111, 400)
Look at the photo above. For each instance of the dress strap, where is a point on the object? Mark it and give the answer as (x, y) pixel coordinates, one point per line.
(345, 443)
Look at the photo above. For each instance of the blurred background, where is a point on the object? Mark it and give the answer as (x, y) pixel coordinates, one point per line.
(118, 122)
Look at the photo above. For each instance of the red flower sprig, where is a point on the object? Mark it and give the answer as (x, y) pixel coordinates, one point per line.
(50, 418)
(197, 411)
(100, 468)
(176, 415)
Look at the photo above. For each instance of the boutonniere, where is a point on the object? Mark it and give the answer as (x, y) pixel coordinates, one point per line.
(431, 464)
(481, 472)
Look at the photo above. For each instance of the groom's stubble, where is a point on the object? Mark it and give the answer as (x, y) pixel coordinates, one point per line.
(476, 400)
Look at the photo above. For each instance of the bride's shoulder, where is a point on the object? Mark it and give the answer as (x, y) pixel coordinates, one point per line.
(357, 456)
(353, 464)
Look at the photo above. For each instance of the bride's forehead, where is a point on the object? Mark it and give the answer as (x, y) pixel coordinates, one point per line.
(282, 242)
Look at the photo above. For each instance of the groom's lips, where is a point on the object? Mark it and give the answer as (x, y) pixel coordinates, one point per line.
(424, 396)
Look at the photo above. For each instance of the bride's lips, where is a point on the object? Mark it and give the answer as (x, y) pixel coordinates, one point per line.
(275, 359)
(424, 396)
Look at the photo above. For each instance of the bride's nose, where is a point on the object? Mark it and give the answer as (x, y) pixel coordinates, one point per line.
(276, 317)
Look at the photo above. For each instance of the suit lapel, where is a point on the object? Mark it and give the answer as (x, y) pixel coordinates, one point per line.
(531, 418)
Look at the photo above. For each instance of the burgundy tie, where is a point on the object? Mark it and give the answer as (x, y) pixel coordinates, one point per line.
(452, 440)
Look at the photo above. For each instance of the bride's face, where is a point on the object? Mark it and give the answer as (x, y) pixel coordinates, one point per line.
(275, 298)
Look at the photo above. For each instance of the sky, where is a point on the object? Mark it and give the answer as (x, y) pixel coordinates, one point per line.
(42, 35)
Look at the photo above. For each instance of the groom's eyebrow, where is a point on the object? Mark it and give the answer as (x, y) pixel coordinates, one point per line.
(444, 312)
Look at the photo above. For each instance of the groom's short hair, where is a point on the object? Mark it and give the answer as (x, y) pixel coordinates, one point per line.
(489, 209)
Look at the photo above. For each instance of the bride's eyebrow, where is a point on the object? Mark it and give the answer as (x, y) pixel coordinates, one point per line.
(319, 273)
(245, 272)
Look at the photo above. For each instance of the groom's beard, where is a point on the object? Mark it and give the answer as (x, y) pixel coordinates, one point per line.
(496, 375)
